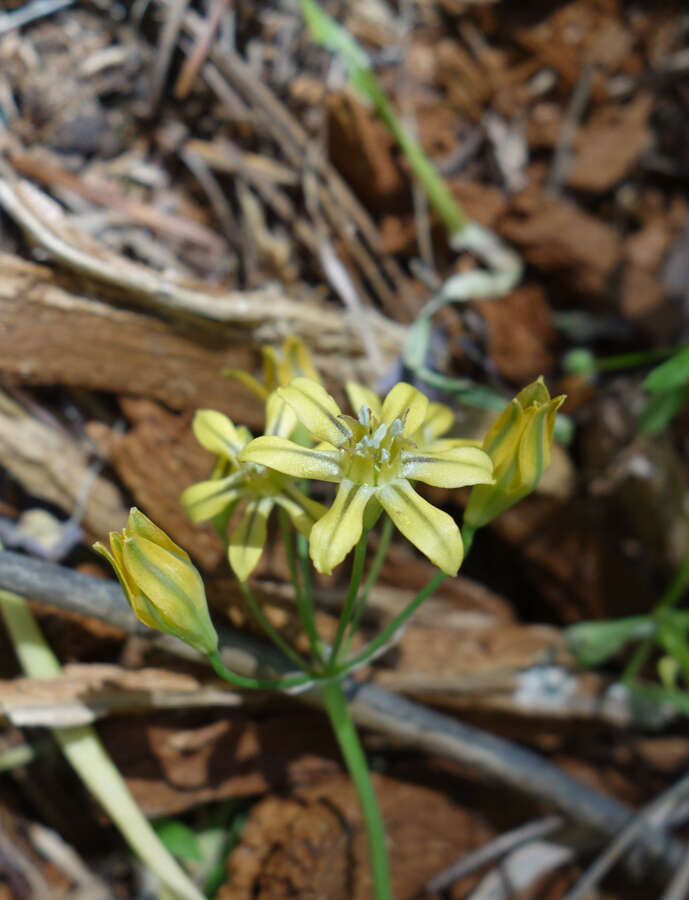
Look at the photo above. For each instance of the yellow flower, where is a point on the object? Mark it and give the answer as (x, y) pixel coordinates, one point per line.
(519, 442)
(160, 582)
(259, 487)
(374, 460)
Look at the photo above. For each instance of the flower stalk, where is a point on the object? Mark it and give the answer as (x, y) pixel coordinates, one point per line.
(348, 741)
(350, 602)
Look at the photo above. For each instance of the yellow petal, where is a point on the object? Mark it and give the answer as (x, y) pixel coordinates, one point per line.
(333, 536)
(302, 510)
(451, 469)
(103, 551)
(440, 445)
(271, 368)
(316, 410)
(166, 580)
(171, 593)
(502, 440)
(519, 443)
(553, 408)
(536, 442)
(439, 419)
(534, 449)
(300, 362)
(404, 398)
(116, 544)
(253, 384)
(285, 456)
(534, 394)
(145, 612)
(134, 597)
(249, 537)
(281, 420)
(216, 433)
(430, 529)
(141, 526)
(207, 499)
(359, 396)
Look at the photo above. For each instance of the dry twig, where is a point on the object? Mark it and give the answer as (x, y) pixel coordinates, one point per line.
(493, 850)
(30, 12)
(678, 889)
(174, 14)
(349, 219)
(657, 810)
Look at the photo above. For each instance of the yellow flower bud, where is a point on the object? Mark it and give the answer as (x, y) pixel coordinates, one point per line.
(519, 443)
(160, 582)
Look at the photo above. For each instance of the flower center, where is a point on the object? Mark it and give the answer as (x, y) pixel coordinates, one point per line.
(373, 453)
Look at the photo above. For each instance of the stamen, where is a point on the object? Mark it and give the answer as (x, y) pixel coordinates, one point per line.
(380, 433)
(397, 426)
(364, 415)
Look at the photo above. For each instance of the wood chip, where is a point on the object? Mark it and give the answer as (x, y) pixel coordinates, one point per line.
(610, 144)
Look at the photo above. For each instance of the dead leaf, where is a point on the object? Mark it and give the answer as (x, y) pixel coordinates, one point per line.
(610, 144)
(641, 293)
(519, 333)
(558, 237)
(647, 247)
(362, 149)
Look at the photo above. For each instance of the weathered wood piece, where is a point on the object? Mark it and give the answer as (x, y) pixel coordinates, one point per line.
(51, 332)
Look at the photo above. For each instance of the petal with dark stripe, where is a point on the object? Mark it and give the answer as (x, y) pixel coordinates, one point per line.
(285, 456)
(404, 398)
(206, 499)
(281, 419)
(333, 536)
(316, 410)
(216, 433)
(249, 537)
(430, 529)
(450, 469)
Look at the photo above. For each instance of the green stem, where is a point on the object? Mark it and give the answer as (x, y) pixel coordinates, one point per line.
(671, 596)
(637, 661)
(304, 599)
(305, 566)
(387, 633)
(269, 628)
(439, 195)
(385, 537)
(256, 684)
(347, 610)
(348, 740)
